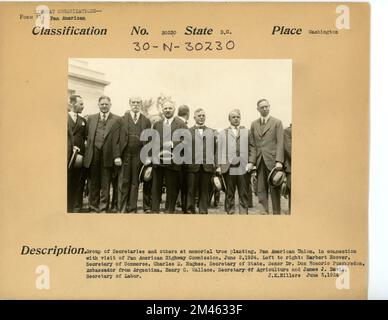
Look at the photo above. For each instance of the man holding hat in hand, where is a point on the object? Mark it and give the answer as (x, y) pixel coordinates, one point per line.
(166, 168)
(76, 173)
(126, 153)
(99, 154)
(229, 142)
(266, 151)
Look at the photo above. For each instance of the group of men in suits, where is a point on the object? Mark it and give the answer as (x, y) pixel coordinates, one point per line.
(109, 143)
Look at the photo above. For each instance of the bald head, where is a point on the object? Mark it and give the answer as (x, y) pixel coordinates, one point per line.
(184, 112)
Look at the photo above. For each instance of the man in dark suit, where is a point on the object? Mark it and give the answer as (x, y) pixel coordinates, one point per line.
(70, 147)
(266, 151)
(76, 176)
(233, 149)
(202, 166)
(287, 161)
(126, 153)
(99, 154)
(184, 115)
(147, 185)
(164, 169)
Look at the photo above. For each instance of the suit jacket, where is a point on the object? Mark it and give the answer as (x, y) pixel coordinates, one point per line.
(223, 142)
(268, 144)
(112, 124)
(175, 125)
(78, 130)
(70, 142)
(194, 167)
(287, 149)
(126, 135)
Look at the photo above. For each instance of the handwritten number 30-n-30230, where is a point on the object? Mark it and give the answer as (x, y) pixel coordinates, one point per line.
(188, 46)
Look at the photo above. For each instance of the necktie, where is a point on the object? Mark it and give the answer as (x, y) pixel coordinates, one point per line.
(262, 126)
(167, 122)
(135, 117)
(103, 117)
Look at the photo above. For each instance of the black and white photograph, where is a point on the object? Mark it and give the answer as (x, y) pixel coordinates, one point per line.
(179, 136)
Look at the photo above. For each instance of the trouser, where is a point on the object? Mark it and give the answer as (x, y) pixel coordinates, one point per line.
(115, 185)
(198, 181)
(99, 178)
(183, 190)
(214, 192)
(248, 178)
(75, 189)
(70, 192)
(263, 189)
(234, 182)
(289, 190)
(128, 182)
(172, 186)
(147, 189)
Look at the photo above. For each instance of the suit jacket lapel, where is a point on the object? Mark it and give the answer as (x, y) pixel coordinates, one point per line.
(257, 127)
(142, 118)
(93, 124)
(109, 124)
(131, 119)
(268, 125)
(233, 135)
(127, 119)
(71, 123)
(78, 124)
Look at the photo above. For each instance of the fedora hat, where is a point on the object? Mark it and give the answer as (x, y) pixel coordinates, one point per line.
(166, 155)
(145, 174)
(276, 177)
(78, 161)
(219, 182)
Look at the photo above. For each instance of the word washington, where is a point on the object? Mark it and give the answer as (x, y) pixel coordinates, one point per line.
(56, 251)
(69, 31)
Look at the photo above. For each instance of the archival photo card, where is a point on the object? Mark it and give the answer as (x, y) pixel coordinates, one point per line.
(227, 149)
(184, 150)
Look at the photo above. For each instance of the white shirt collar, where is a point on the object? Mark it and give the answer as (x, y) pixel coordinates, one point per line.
(73, 115)
(133, 115)
(169, 120)
(106, 115)
(265, 118)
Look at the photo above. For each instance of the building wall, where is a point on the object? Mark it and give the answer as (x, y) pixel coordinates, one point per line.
(89, 84)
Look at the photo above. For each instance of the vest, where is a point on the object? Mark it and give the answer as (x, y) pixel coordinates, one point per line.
(99, 138)
(134, 132)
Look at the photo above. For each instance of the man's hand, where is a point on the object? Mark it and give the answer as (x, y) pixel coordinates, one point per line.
(279, 165)
(147, 161)
(75, 148)
(118, 162)
(249, 167)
